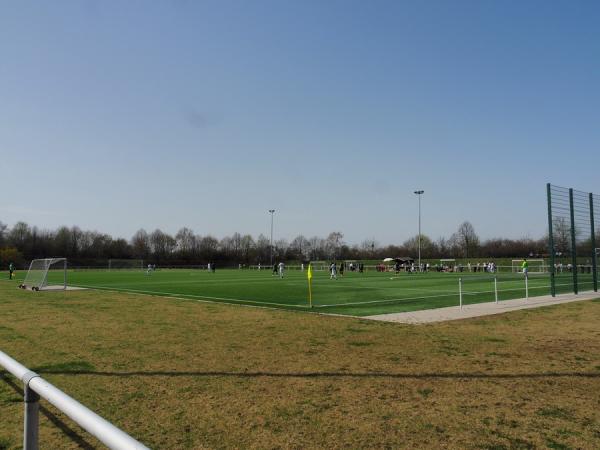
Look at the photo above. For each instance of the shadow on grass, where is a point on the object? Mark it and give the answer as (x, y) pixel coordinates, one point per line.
(66, 429)
(456, 375)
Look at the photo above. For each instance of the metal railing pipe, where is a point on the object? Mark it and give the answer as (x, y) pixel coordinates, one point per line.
(91, 422)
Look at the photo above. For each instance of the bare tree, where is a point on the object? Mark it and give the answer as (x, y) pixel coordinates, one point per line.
(368, 246)
(300, 246)
(262, 248)
(186, 241)
(140, 243)
(3, 228)
(427, 246)
(20, 235)
(333, 242)
(247, 246)
(466, 239)
(209, 246)
(561, 232)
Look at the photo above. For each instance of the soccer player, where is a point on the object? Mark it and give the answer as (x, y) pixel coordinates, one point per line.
(149, 269)
(525, 267)
(333, 270)
(274, 269)
(281, 269)
(11, 270)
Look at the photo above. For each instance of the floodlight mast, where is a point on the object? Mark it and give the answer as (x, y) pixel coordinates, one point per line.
(271, 211)
(419, 193)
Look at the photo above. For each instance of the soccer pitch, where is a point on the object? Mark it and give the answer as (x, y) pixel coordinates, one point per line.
(354, 294)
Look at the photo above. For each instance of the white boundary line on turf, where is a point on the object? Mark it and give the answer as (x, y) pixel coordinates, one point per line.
(193, 297)
(255, 302)
(383, 301)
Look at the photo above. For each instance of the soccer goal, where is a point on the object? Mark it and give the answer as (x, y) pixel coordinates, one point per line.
(47, 274)
(125, 264)
(319, 265)
(535, 265)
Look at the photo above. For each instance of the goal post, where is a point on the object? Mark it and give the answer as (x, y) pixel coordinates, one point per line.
(125, 264)
(535, 265)
(46, 273)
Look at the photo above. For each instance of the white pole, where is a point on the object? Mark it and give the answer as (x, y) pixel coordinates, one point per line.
(271, 211)
(496, 288)
(460, 299)
(526, 287)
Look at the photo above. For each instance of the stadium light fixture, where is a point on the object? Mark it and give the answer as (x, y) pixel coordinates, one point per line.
(272, 211)
(419, 193)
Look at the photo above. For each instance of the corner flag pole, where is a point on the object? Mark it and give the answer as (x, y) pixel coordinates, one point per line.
(309, 275)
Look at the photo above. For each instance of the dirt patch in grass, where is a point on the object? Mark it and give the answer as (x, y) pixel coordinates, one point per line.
(182, 374)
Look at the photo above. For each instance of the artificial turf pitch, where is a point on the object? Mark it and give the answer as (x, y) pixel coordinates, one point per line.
(354, 294)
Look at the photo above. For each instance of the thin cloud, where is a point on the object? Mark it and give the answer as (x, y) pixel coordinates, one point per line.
(195, 118)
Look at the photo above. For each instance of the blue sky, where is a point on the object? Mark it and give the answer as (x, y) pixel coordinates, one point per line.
(121, 115)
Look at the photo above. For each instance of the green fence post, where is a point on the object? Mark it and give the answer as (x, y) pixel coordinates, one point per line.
(593, 238)
(573, 243)
(551, 241)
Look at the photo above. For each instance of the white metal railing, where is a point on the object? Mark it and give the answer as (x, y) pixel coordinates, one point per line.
(36, 387)
(461, 290)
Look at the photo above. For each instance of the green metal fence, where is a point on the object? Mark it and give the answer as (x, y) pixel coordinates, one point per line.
(572, 219)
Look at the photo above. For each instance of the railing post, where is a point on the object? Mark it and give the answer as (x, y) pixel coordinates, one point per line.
(496, 288)
(526, 287)
(460, 299)
(32, 414)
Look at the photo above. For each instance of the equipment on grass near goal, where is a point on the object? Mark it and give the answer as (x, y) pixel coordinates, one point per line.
(535, 265)
(125, 264)
(47, 273)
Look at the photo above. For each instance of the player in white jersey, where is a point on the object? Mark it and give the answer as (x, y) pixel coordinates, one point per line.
(281, 268)
(333, 271)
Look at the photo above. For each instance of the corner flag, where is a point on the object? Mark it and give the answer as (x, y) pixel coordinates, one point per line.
(309, 276)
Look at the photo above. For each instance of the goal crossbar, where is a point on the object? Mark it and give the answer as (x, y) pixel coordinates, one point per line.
(535, 265)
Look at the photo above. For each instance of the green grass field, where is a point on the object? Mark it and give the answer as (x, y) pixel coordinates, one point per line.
(354, 294)
(178, 374)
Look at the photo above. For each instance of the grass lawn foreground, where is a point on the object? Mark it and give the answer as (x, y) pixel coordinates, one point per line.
(181, 374)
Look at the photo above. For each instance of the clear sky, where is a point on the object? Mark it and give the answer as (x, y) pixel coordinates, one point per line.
(121, 115)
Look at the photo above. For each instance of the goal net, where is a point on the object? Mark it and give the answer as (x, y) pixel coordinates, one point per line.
(320, 265)
(47, 273)
(125, 264)
(535, 265)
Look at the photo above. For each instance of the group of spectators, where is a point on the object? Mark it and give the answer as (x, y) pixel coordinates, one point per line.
(489, 267)
(581, 268)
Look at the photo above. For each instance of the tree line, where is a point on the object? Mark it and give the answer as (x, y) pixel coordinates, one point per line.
(23, 242)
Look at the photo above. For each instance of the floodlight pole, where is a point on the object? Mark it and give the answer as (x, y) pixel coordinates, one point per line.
(419, 193)
(271, 211)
